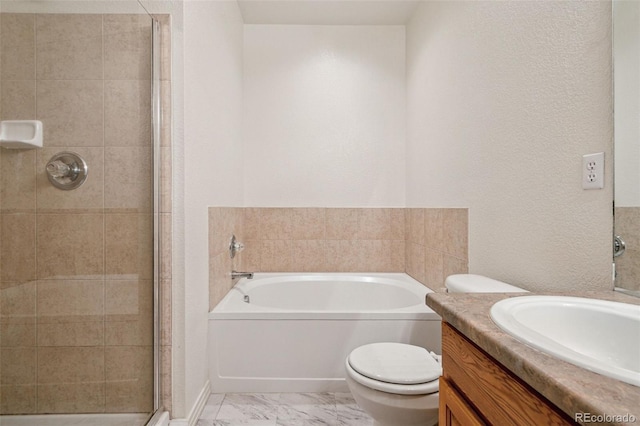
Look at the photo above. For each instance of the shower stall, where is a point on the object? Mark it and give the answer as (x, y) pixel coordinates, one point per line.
(79, 216)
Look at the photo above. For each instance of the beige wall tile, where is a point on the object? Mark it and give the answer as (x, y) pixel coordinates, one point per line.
(128, 299)
(398, 257)
(165, 312)
(14, 335)
(165, 377)
(58, 250)
(251, 220)
(127, 113)
(70, 301)
(129, 246)
(71, 398)
(129, 185)
(127, 47)
(272, 224)
(219, 278)
(628, 270)
(18, 181)
(455, 232)
(129, 363)
(627, 225)
(129, 396)
(433, 226)
(69, 47)
(434, 273)
(18, 399)
(129, 375)
(18, 46)
(416, 223)
(343, 256)
(129, 313)
(18, 302)
(71, 112)
(71, 334)
(18, 366)
(373, 255)
(251, 255)
(18, 100)
(308, 256)
(307, 223)
(17, 247)
(88, 198)
(374, 224)
(416, 261)
(452, 265)
(276, 256)
(71, 364)
(127, 333)
(342, 224)
(221, 228)
(397, 224)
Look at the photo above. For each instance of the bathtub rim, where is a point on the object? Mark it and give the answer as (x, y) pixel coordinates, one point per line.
(232, 305)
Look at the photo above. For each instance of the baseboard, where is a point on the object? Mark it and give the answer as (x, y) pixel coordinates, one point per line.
(197, 408)
(160, 419)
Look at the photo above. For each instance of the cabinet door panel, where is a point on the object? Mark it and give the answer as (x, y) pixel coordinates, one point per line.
(492, 390)
(454, 411)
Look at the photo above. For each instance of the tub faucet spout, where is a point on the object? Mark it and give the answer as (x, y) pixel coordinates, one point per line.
(236, 274)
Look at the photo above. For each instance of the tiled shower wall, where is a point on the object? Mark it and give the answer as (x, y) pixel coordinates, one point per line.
(76, 279)
(427, 244)
(627, 225)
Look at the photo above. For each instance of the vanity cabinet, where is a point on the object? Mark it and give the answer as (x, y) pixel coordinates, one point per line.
(477, 390)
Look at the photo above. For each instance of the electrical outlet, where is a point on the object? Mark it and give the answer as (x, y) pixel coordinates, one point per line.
(593, 171)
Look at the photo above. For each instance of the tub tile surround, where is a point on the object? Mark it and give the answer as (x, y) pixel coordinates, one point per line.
(426, 243)
(627, 225)
(76, 325)
(283, 409)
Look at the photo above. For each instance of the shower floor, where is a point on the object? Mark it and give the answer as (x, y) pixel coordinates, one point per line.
(76, 420)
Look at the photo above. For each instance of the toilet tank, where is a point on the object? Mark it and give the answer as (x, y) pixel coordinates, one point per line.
(470, 283)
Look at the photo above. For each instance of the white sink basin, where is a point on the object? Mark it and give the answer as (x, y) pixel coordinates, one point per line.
(598, 335)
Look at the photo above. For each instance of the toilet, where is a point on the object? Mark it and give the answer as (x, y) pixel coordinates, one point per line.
(397, 384)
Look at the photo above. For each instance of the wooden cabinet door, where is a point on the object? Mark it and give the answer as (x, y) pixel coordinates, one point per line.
(454, 410)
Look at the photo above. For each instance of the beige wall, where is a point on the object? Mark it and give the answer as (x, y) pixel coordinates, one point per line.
(324, 114)
(212, 168)
(425, 243)
(76, 299)
(503, 99)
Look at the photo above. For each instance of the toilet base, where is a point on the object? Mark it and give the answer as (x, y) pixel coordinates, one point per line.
(388, 409)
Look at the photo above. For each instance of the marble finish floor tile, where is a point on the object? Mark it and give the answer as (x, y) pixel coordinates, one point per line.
(285, 409)
(249, 406)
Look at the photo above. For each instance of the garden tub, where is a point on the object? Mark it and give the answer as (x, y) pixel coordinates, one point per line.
(286, 332)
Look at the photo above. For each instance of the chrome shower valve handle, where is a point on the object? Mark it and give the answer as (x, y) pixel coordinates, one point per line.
(67, 170)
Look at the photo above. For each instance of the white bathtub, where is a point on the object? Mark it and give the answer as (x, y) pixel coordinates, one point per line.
(297, 329)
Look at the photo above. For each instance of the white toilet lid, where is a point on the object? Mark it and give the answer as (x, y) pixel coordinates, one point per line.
(396, 363)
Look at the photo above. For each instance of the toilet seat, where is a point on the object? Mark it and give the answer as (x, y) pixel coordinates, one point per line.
(395, 368)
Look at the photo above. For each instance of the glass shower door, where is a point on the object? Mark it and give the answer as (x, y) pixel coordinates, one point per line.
(77, 265)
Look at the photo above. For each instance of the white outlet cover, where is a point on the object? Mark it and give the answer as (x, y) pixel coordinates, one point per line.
(593, 171)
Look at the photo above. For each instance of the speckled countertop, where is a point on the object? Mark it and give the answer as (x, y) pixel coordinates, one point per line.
(571, 388)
